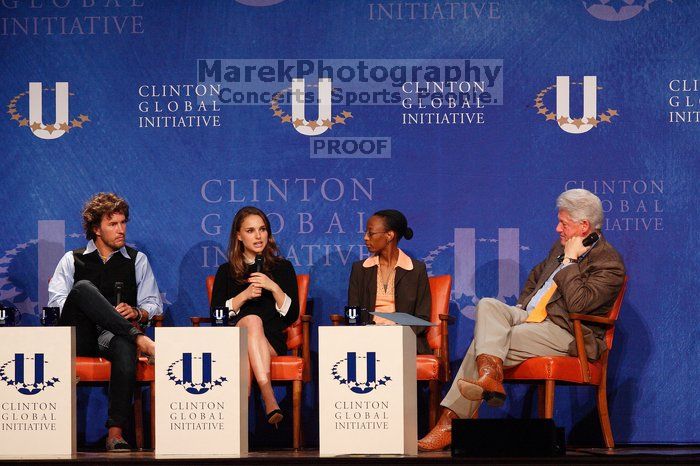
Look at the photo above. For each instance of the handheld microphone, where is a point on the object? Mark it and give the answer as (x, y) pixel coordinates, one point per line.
(118, 287)
(259, 260)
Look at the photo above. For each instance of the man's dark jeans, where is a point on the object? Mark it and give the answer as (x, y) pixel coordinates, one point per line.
(101, 331)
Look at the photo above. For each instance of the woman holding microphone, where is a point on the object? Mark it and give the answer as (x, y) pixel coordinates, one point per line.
(260, 290)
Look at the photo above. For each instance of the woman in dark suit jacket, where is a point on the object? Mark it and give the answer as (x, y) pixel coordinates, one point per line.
(265, 303)
(389, 280)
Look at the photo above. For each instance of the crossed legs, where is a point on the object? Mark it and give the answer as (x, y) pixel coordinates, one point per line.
(100, 330)
(500, 333)
(260, 353)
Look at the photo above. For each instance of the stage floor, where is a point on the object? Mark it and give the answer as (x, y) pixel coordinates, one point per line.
(624, 455)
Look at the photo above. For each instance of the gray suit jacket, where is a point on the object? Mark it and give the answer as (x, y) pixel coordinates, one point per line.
(589, 287)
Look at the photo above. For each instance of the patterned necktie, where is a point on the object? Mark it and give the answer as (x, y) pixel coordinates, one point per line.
(539, 313)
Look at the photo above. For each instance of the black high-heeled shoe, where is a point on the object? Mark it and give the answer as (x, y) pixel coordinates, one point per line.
(275, 417)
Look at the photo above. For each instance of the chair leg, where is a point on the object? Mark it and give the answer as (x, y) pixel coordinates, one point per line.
(549, 399)
(296, 407)
(138, 416)
(301, 436)
(603, 415)
(434, 386)
(153, 415)
(540, 400)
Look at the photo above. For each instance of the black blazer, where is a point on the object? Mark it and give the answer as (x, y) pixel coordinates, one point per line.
(411, 294)
(225, 287)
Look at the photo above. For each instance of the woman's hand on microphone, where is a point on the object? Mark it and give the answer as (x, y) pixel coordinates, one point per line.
(253, 291)
(263, 281)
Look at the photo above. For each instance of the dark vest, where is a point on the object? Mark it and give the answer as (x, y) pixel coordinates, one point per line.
(117, 269)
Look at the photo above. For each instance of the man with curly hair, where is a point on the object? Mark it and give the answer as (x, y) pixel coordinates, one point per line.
(87, 284)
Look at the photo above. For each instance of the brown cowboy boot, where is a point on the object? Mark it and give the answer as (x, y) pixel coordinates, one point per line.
(440, 437)
(489, 387)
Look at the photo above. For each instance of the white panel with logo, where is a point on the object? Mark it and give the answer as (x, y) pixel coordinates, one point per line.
(202, 392)
(367, 390)
(37, 392)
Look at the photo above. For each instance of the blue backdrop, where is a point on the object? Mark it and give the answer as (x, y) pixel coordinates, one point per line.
(184, 108)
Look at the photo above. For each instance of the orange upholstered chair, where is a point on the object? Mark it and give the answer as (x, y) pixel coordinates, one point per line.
(433, 368)
(547, 371)
(98, 370)
(295, 367)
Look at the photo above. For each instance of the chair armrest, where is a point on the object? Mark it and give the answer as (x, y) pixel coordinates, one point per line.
(578, 335)
(581, 350)
(200, 320)
(592, 319)
(306, 347)
(443, 353)
(337, 319)
(446, 317)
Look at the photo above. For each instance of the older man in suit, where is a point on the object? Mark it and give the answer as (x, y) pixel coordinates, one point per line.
(573, 278)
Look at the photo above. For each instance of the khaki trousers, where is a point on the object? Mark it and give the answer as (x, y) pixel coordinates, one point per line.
(500, 330)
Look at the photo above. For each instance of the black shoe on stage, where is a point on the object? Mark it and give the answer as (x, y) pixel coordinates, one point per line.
(275, 417)
(117, 445)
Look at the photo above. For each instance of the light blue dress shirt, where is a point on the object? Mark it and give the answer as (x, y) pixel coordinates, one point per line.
(548, 284)
(147, 294)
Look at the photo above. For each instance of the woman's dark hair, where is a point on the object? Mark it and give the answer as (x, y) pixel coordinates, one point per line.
(239, 269)
(395, 221)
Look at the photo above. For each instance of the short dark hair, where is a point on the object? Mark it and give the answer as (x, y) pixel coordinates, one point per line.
(395, 221)
(98, 206)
